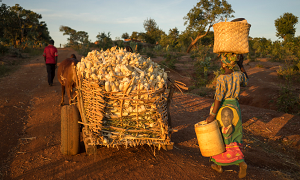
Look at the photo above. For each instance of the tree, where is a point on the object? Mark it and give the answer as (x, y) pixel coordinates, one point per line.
(171, 39)
(104, 40)
(125, 35)
(27, 22)
(69, 31)
(153, 33)
(286, 25)
(75, 38)
(20, 26)
(82, 37)
(134, 35)
(40, 33)
(7, 24)
(204, 15)
(262, 46)
(141, 36)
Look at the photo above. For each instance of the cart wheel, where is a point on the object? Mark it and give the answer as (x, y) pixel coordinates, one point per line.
(69, 130)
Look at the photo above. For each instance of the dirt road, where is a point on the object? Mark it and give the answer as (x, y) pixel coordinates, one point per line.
(30, 138)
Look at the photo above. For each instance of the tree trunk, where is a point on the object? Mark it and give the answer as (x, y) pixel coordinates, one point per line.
(197, 38)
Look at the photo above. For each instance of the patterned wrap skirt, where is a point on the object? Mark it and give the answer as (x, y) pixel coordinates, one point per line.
(230, 123)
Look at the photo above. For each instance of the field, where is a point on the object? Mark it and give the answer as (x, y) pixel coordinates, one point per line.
(30, 131)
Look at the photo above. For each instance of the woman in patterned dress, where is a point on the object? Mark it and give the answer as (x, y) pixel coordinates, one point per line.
(226, 111)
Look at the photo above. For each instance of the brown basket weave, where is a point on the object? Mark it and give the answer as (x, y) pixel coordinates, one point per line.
(129, 129)
(231, 37)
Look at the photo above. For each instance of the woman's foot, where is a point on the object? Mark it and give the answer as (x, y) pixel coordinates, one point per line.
(243, 170)
(217, 168)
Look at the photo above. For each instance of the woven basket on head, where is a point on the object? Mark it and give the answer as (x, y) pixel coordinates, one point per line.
(231, 37)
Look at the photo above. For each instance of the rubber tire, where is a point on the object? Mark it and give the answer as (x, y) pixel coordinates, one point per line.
(69, 130)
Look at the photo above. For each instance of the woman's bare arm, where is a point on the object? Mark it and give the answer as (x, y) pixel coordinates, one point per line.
(212, 116)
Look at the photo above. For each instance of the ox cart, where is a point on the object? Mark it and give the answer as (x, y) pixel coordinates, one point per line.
(92, 114)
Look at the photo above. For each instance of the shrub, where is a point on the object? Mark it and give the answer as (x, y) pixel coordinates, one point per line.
(259, 65)
(287, 101)
(15, 52)
(136, 47)
(84, 49)
(170, 60)
(150, 54)
(286, 73)
(3, 69)
(158, 48)
(3, 49)
(120, 44)
(34, 51)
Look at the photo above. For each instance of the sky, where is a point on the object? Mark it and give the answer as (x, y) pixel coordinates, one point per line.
(120, 16)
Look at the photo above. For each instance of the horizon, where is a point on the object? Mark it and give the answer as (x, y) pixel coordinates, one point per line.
(118, 17)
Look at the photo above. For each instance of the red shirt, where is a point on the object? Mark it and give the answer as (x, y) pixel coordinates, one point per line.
(50, 52)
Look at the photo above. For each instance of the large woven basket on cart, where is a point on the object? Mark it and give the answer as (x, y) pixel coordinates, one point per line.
(231, 37)
(138, 127)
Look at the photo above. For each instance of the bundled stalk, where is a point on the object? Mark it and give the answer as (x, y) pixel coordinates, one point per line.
(124, 98)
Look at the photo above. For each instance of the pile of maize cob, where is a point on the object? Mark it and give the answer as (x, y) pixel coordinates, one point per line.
(105, 66)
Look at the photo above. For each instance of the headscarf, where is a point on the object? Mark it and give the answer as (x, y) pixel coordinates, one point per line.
(229, 60)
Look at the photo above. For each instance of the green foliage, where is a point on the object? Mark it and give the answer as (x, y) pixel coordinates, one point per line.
(259, 65)
(261, 46)
(287, 50)
(20, 26)
(141, 36)
(207, 40)
(134, 35)
(288, 101)
(104, 41)
(76, 37)
(184, 40)
(153, 33)
(206, 13)
(277, 51)
(136, 47)
(84, 49)
(158, 48)
(125, 35)
(250, 57)
(203, 65)
(34, 51)
(286, 25)
(170, 60)
(150, 54)
(3, 49)
(170, 40)
(15, 52)
(120, 43)
(3, 69)
(288, 72)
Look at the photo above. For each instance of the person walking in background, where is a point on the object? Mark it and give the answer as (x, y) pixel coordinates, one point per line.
(226, 111)
(50, 56)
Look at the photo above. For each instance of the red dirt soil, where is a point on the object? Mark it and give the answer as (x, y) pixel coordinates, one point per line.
(30, 133)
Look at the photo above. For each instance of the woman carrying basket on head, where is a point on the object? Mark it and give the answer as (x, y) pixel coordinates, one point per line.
(226, 111)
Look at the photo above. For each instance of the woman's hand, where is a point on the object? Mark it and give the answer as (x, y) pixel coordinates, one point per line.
(210, 118)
